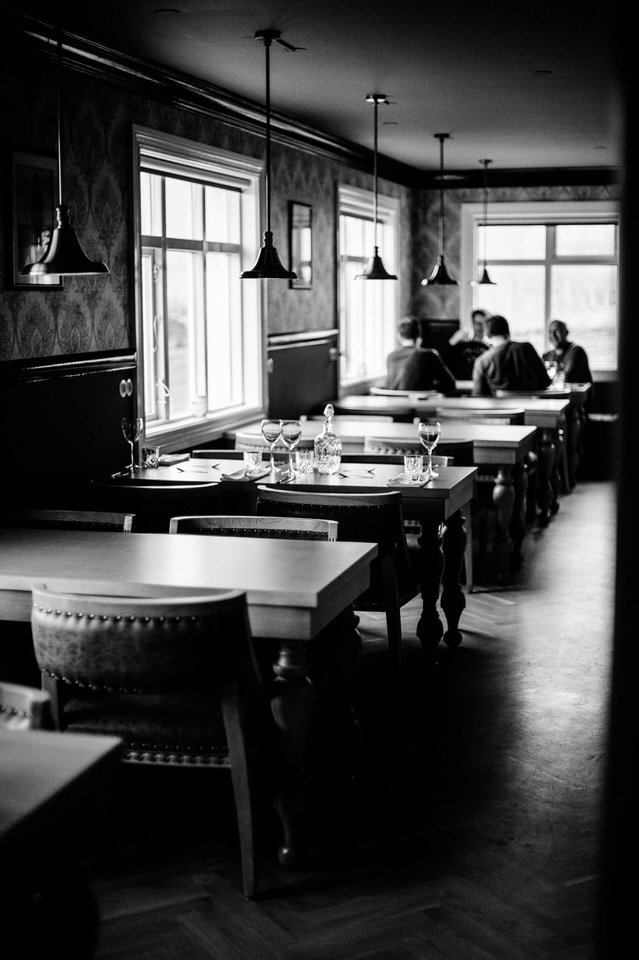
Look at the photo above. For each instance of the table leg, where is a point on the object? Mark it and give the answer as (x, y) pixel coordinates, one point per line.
(314, 693)
(429, 569)
(547, 455)
(574, 426)
(518, 524)
(453, 600)
(503, 502)
(292, 700)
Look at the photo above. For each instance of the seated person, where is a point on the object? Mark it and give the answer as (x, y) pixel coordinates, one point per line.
(569, 357)
(466, 345)
(507, 364)
(411, 367)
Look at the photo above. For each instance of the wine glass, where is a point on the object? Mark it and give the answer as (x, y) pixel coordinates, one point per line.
(271, 431)
(132, 429)
(429, 431)
(291, 433)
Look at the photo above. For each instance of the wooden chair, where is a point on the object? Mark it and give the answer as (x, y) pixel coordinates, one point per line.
(362, 517)
(360, 417)
(73, 519)
(459, 452)
(154, 503)
(285, 528)
(251, 441)
(24, 708)
(491, 415)
(174, 677)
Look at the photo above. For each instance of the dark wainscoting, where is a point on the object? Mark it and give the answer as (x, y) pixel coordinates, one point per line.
(303, 372)
(61, 424)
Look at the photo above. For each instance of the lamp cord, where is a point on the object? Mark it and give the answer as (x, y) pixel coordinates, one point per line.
(375, 105)
(267, 46)
(441, 194)
(59, 106)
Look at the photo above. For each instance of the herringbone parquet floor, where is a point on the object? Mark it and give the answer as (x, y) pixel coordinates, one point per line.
(473, 830)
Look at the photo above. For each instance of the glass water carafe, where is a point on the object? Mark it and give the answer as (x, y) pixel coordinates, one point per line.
(328, 446)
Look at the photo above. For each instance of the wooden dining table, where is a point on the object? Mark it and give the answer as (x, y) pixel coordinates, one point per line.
(442, 507)
(294, 588)
(557, 413)
(500, 451)
(54, 800)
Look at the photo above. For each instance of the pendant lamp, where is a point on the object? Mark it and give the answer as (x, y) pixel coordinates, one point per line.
(64, 256)
(268, 265)
(439, 274)
(483, 278)
(375, 269)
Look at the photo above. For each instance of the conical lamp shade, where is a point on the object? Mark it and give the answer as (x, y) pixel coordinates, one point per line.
(439, 275)
(268, 265)
(375, 270)
(64, 256)
(483, 278)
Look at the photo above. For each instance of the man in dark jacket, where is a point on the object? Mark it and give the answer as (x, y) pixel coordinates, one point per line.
(411, 367)
(508, 364)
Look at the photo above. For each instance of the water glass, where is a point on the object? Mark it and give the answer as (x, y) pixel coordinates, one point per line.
(252, 462)
(303, 462)
(414, 468)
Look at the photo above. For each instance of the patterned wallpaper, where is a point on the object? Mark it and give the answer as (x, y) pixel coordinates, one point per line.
(96, 313)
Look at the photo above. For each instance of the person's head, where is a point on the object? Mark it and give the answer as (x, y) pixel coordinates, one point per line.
(557, 332)
(408, 329)
(478, 320)
(497, 326)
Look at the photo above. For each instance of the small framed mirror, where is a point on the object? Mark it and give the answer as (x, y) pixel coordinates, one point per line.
(301, 244)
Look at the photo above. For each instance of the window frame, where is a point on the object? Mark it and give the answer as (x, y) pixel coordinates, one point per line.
(527, 213)
(360, 203)
(171, 155)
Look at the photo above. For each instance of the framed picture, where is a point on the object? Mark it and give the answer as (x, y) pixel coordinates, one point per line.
(301, 244)
(33, 199)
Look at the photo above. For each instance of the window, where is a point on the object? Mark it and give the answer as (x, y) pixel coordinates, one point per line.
(548, 260)
(199, 327)
(368, 309)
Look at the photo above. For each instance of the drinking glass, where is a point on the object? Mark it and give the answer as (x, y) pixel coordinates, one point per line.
(414, 468)
(271, 431)
(429, 431)
(252, 462)
(291, 433)
(132, 430)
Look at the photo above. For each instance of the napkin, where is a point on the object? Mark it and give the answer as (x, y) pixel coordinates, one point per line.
(401, 480)
(167, 459)
(241, 475)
